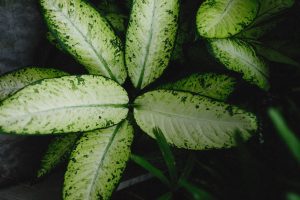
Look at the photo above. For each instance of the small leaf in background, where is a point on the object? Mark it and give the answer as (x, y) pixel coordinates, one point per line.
(58, 151)
(150, 39)
(62, 105)
(239, 56)
(271, 8)
(166, 196)
(216, 86)
(167, 154)
(149, 167)
(14, 81)
(87, 36)
(224, 18)
(97, 163)
(192, 121)
(286, 134)
(275, 56)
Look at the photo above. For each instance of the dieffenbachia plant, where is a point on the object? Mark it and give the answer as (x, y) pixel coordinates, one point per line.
(89, 114)
(231, 29)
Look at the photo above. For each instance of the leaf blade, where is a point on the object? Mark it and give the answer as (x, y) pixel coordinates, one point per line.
(150, 39)
(97, 163)
(216, 86)
(192, 121)
(58, 151)
(239, 56)
(87, 36)
(14, 81)
(62, 105)
(224, 18)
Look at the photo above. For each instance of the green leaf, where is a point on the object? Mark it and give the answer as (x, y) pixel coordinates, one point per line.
(224, 18)
(285, 133)
(149, 167)
(198, 193)
(66, 104)
(257, 31)
(192, 121)
(14, 81)
(275, 56)
(216, 86)
(150, 39)
(87, 36)
(58, 151)
(270, 8)
(167, 153)
(97, 163)
(239, 56)
(292, 196)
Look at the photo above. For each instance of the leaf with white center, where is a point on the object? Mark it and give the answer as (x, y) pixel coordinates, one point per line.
(271, 8)
(62, 105)
(58, 151)
(97, 163)
(239, 56)
(14, 81)
(192, 121)
(150, 39)
(275, 56)
(87, 36)
(216, 86)
(224, 18)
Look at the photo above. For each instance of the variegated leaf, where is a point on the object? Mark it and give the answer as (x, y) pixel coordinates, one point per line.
(66, 104)
(216, 86)
(87, 36)
(192, 121)
(97, 163)
(150, 39)
(14, 81)
(224, 18)
(239, 56)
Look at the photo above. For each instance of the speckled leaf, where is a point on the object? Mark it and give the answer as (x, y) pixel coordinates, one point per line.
(270, 8)
(13, 81)
(66, 104)
(87, 36)
(224, 18)
(240, 56)
(275, 56)
(192, 121)
(216, 86)
(58, 151)
(150, 39)
(97, 163)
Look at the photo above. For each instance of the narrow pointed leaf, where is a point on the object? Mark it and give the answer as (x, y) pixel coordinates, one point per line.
(224, 18)
(97, 163)
(216, 86)
(58, 151)
(271, 8)
(150, 39)
(87, 36)
(192, 121)
(275, 56)
(196, 192)
(240, 56)
(150, 168)
(14, 81)
(66, 104)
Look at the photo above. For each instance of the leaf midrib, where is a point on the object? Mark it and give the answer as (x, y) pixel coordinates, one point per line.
(102, 60)
(148, 46)
(100, 163)
(176, 115)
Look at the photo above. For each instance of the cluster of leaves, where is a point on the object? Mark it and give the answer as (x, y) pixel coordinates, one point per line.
(94, 111)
